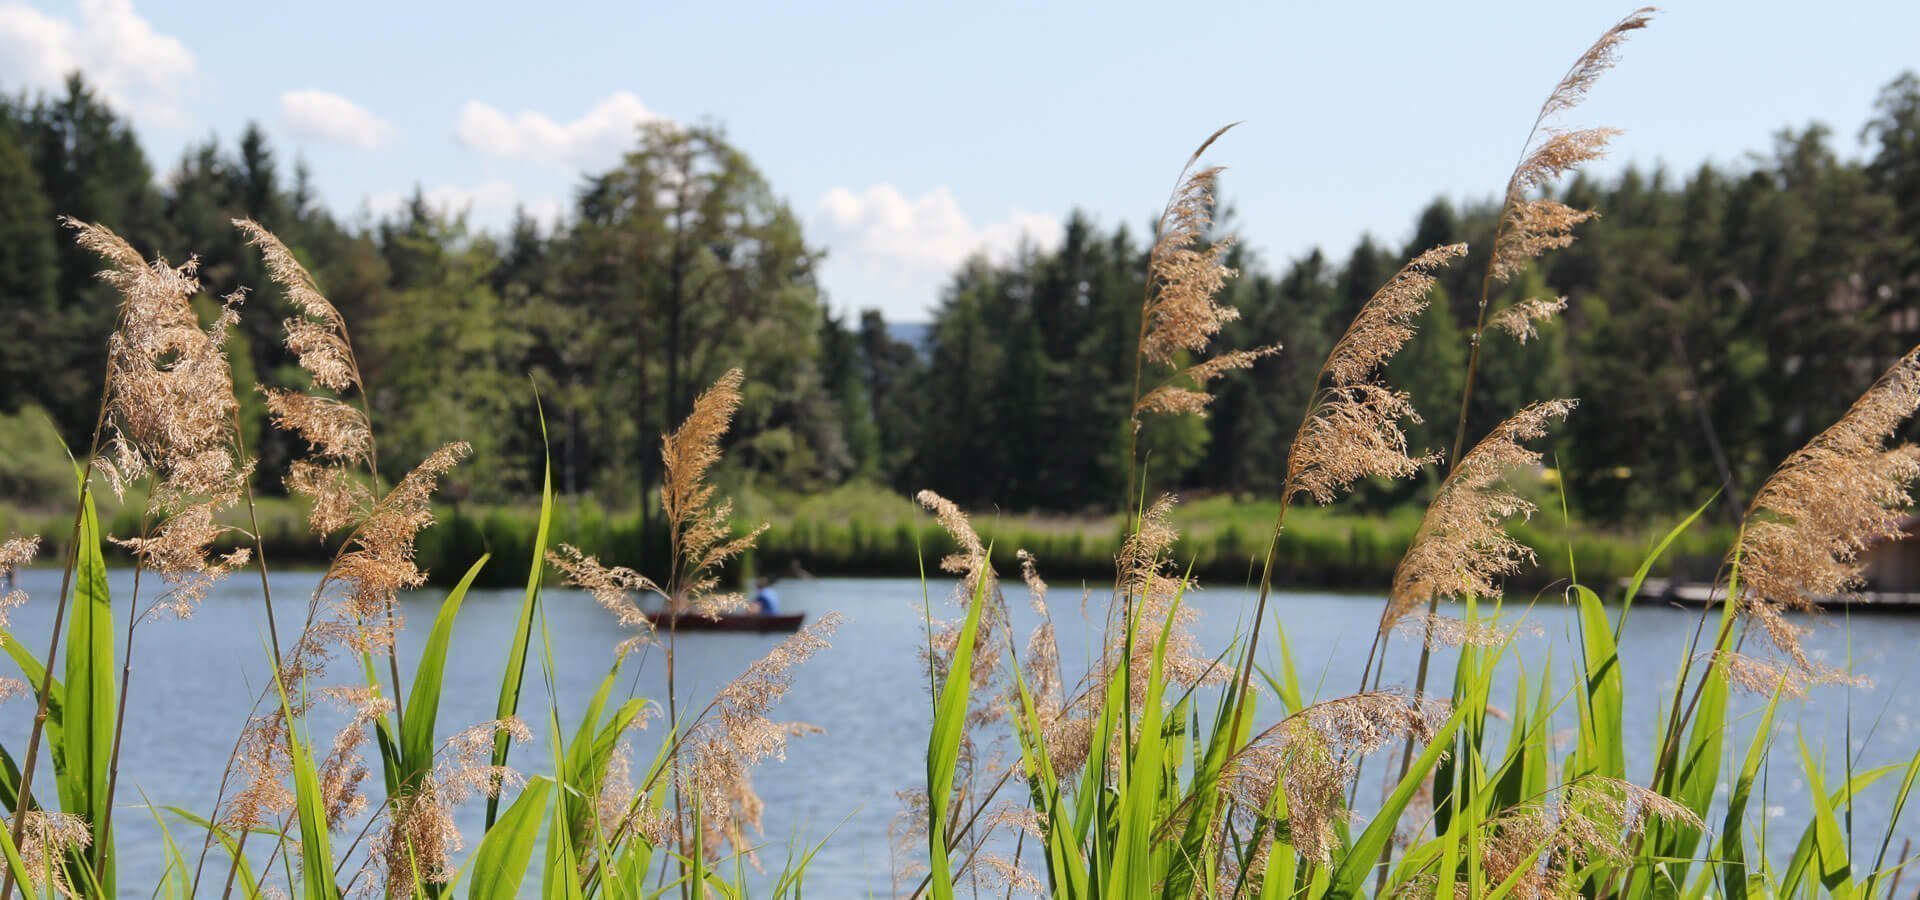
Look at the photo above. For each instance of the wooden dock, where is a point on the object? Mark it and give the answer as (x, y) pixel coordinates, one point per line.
(1699, 593)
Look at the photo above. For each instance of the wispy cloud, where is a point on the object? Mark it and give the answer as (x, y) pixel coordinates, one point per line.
(885, 232)
(327, 116)
(591, 141)
(896, 253)
(140, 71)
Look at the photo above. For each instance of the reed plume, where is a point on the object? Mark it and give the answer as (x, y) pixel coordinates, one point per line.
(355, 606)
(419, 838)
(1156, 599)
(977, 576)
(171, 416)
(377, 562)
(344, 769)
(615, 588)
(1545, 845)
(1312, 755)
(1462, 547)
(1807, 527)
(738, 735)
(701, 526)
(1352, 428)
(1764, 677)
(1529, 227)
(318, 335)
(15, 554)
(1179, 316)
(48, 838)
(339, 436)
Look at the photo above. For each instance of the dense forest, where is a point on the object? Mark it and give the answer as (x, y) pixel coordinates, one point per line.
(1715, 320)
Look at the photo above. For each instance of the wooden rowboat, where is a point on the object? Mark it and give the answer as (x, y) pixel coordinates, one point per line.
(750, 622)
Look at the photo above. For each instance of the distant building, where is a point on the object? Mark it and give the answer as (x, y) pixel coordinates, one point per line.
(1894, 566)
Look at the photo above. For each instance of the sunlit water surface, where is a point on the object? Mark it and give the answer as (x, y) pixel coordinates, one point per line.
(194, 681)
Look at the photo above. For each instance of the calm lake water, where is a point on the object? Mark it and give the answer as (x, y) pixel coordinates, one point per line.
(194, 681)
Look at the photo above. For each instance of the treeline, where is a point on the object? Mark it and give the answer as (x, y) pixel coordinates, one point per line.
(1715, 320)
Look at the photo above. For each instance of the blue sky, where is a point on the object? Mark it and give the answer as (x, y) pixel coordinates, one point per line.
(909, 135)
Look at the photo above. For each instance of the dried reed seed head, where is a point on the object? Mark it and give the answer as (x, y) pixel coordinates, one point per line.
(286, 271)
(1598, 58)
(416, 844)
(702, 525)
(1757, 675)
(1311, 756)
(418, 841)
(171, 413)
(614, 588)
(971, 559)
(15, 554)
(1385, 323)
(344, 769)
(14, 687)
(1180, 313)
(1560, 153)
(1531, 228)
(1808, 526)
(318, 337)
(693, 448)
(1004, 876)
(1440, 631)
(1030, 575)
(46, 838)
(339, 499)
(738, 735)
(1175, 399)
(1353, 433)
(334, 430)
(378, 562)
(1585, 820)
(1519, 320)
(1143, 568)
(261, 767)
(1462, 547)
(170, 396)
(464, 767)
(1144, 554)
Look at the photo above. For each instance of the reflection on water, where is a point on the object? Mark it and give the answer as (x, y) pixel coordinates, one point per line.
(195, 680)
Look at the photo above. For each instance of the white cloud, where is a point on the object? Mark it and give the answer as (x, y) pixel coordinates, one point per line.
(886, 233)
(142, 72)
(594, 140)
(326, 116)
(486, 204)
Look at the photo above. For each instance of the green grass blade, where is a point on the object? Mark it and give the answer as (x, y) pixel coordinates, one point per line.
(1350, 876)
(500, 865)
(86, 740)
(1646, 565)
(1602, 737)
(316, 853)
(943, 747)
(423, 701)
(510, 683)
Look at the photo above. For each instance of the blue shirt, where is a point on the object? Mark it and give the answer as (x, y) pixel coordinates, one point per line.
(767, 601)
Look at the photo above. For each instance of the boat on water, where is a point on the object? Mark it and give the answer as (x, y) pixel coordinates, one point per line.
(665, 620)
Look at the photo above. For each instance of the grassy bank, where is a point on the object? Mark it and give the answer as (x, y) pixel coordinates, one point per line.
(866, 530)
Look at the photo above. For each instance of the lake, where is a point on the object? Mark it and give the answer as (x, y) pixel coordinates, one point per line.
(195, 679)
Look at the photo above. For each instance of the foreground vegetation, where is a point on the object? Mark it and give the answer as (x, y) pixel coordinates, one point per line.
(1161, 768)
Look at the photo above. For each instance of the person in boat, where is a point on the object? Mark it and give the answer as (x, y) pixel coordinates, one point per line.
(765, 601)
